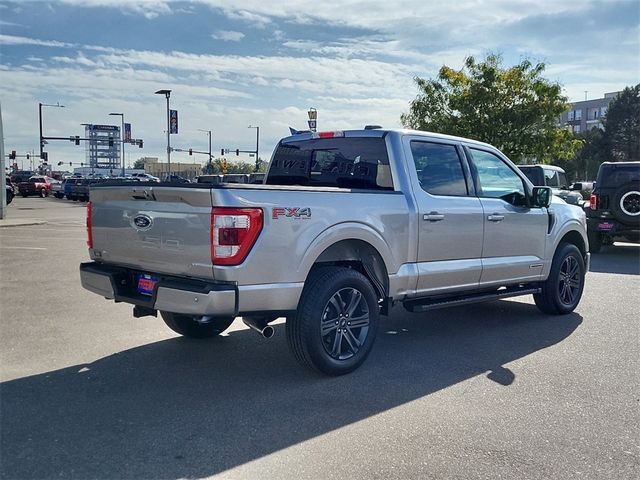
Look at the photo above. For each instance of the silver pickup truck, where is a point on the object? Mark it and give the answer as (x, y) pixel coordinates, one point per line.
(345, 225)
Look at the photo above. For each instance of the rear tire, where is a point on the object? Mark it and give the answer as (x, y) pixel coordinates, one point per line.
(336, 323)
(187, 325)
(563, 289)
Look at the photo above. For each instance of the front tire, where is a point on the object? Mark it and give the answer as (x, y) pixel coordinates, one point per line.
(563, 289)
(43, 192)
(336, 323)
(188, 326)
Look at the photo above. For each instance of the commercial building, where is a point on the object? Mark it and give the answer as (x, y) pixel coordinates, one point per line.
(103, 146)
(587, 114)
(154, 167)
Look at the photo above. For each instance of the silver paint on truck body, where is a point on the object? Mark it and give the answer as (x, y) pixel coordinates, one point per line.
(427, 244)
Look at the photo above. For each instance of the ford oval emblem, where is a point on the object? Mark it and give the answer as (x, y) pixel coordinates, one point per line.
(142, 222)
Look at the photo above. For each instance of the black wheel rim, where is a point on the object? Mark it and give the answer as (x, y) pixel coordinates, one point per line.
(631, 204)
(570, 278)
(345, 323)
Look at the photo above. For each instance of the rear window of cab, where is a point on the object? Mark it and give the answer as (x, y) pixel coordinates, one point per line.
(342, 162)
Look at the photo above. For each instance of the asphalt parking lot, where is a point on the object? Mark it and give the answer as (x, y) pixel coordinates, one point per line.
(496, 390)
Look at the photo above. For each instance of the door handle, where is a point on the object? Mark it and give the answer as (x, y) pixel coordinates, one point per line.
(433, 216)
(495, 217)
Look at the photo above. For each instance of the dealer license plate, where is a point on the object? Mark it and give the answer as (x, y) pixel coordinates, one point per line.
(146, 284)
(605, 226)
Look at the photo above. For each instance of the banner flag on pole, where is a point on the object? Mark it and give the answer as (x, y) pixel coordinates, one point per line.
(173, 121)
(127, 132)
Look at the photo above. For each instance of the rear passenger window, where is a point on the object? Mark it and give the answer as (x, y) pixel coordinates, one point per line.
(439, 169)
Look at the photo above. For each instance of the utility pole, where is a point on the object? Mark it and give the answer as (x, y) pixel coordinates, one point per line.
(257, 146)
(121, 139)
(167, 94)
(208, 132)
(40, 105)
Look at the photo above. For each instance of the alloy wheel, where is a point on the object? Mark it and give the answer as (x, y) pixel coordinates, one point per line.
(569, 285)
(345, 323)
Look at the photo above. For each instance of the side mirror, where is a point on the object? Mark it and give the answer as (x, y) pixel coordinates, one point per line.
(541, 197)
(577, 186)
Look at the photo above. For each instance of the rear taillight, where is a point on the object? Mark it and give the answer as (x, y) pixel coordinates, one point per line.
(89, 226)
(593, 202)
(233, 233)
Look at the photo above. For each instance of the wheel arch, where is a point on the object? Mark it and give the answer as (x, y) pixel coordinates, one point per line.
(356, 246)
(360, 255)
(575, 238)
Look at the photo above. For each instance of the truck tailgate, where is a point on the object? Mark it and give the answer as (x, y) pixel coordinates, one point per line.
(153, 228)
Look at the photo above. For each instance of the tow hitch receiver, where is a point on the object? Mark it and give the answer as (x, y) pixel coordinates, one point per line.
(139, 311)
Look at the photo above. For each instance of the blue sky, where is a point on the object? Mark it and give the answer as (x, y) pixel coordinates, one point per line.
(235, 63)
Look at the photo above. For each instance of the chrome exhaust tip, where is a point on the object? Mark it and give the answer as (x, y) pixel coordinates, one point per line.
(259, 325)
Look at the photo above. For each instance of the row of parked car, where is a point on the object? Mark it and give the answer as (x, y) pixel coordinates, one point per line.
(77, 188)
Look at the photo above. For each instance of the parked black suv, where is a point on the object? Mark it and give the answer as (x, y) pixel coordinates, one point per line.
(614, 210)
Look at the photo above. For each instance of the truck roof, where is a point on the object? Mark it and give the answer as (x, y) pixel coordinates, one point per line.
(381, 132)
(542, 165)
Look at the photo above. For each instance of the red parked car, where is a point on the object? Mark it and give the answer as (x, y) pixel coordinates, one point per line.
(36, 185)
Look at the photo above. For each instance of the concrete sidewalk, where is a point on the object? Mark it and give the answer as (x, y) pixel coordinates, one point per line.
(21, 222)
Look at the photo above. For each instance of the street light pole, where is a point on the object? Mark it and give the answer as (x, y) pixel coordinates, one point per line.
(121, 139)
(257, 145)
(208, 132)
(40, 105)
(167, 94)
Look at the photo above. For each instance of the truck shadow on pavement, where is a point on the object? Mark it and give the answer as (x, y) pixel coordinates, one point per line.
(622, 259)
(181, 408)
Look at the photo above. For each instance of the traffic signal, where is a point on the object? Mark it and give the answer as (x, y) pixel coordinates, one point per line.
(237, 152)
(12, 155)
(111, 141)
(77, 140)
(45, 156)
(60, 163)
(224, 166)
(140, 143)
(28, 156)
(191, 151)
(222, 152)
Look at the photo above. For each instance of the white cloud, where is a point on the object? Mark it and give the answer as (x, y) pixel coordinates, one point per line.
(352, 60)
(227, 35)
(148, 8)
(17, 40)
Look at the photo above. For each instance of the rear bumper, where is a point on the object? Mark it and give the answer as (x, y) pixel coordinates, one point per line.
(190, 296)
(613, 228)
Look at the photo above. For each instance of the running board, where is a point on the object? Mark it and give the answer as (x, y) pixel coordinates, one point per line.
(424, 304)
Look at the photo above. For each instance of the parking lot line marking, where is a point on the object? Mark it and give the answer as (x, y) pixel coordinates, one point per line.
(22, 248)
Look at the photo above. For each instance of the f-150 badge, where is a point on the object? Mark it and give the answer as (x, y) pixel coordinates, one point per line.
(290, 212)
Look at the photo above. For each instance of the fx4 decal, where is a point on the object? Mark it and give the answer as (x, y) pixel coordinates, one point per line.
(290, 212)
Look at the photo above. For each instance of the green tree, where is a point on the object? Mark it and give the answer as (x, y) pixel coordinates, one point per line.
(216, 167)
(622, 126)
(515, 108)
(139, 164)
(590, 156)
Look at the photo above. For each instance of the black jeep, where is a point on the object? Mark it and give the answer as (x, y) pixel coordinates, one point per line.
(614, 206)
